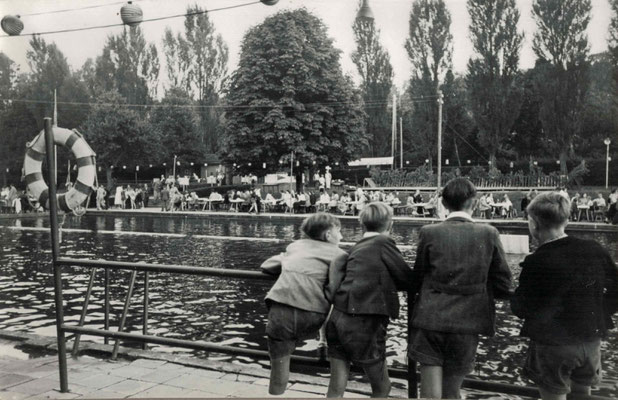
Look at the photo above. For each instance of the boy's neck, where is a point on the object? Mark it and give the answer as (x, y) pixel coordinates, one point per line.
(551, 235)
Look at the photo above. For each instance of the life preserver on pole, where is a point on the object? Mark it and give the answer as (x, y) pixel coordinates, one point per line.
(86, 167)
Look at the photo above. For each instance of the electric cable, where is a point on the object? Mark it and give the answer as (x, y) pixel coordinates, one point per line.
(72, 9)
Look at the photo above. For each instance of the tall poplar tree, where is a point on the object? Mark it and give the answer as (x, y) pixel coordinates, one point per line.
(130, 66)
(197, 63)
(430, 48)
(561, 46)
(613, 37)
(373, 64)
(493, 72)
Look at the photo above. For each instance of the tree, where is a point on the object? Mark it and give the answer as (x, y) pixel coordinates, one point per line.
(458, 125)
(289, 95)
(174, 121)
(118, 135)
(493, 74)
(561, 46)
(374, 66)
(429, 47)
(129, 66)
(197, 63)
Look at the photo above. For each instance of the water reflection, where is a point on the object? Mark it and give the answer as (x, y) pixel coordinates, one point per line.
(226, 311)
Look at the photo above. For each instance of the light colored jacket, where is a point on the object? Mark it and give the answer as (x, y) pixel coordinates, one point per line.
(304, 269)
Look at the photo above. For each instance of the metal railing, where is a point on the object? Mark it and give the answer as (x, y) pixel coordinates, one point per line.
(59, 262)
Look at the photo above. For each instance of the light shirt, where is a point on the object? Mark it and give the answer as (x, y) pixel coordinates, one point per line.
(370, 234)
(460, 214)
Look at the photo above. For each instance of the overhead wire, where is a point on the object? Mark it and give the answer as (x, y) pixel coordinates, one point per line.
(71, 9)
(143, 21)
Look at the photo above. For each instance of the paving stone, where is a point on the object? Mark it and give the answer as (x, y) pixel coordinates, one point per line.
(101, 394)
(262, 382)
(36, 386)
(7, 395)
(240, 378)
(303, 387)
(130, 372)
(207, 373)
(99, 381)
(8, 380)
(147, 363)
(159, 376)
(41, 371)
(53, 394)
(198, 394)
(130, 386)
(162, 391)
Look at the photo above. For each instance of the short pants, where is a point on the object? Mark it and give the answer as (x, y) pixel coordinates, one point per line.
(454, 352)
(359, 339)
(553, 368)
(288, 326)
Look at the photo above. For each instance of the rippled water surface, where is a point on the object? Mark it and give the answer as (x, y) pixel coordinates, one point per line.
(225, 311)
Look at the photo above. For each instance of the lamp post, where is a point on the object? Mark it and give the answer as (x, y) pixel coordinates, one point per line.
(607, 142)
(440, 102)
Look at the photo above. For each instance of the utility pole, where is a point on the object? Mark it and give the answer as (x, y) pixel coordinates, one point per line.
(174, 168)
(400, 142)
(394, 129)
(291, 169)
(55, 123)
(440, 102)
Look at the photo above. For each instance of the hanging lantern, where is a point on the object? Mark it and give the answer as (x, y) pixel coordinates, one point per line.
(12, 25)
(365, 12)
(131, 14)
(269, 2)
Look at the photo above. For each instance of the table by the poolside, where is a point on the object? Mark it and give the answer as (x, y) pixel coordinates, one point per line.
(585, 209)
(322, 205)
(498, 207)
(234, 204)
(212, 202)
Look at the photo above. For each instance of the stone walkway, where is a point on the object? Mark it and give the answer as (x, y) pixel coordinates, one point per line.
(140, 374)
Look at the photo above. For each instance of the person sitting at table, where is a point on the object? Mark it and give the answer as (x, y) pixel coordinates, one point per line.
(432, 204)
(524, 204)
(324, 199)
(342, 203)
(410, 204)
(574, 203)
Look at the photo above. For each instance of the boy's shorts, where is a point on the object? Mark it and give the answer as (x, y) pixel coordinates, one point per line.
(553, 368)
(288, 326)
(454, 352)
(359, 339)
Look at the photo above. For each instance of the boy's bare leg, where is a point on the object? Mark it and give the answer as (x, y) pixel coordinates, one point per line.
(279, 375)
(339, 372)
(451, 386)
(378, 377)
(545, 395)
(431, 382)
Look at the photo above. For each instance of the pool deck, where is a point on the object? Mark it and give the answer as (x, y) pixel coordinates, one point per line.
(143, 374)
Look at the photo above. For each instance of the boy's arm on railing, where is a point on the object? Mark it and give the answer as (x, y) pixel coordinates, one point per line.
(272, 266)
(336, 273)
(499, 277)
(399, 270)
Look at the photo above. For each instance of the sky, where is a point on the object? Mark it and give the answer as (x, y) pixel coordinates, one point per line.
(391, 18)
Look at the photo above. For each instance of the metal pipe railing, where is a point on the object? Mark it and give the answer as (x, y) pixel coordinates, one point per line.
(125, 311)
(82, 318)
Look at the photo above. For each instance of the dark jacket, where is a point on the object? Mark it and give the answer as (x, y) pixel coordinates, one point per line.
(373, 273)
(462, 268)
(568, 291)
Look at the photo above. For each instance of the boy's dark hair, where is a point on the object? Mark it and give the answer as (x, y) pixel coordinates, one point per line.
(376, 217)
(457, 192)
(549, 210)
(315, 226)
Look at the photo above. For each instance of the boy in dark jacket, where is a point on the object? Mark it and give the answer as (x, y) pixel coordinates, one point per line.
(462, 268)
(364, 301)
(568, 291)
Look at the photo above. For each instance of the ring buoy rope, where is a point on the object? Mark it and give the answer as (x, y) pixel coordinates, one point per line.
(86, 167)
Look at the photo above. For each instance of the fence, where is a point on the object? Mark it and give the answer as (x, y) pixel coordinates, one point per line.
(59, 262)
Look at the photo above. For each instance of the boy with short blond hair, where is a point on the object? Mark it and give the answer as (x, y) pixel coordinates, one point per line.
(568, 291)
(364, 301)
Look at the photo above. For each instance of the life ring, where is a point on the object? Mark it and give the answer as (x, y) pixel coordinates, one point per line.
(86, 167)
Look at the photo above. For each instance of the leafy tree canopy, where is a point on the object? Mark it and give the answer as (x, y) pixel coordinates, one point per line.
(289, 95)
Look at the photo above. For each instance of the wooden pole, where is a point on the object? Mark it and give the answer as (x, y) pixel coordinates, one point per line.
(440, 102)
(394, 130)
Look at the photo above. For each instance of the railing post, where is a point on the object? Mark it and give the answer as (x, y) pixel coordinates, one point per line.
(412, 378)
(106, 306)
(53, 221)
(146, 289)
(82, 318)
(125, 311)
